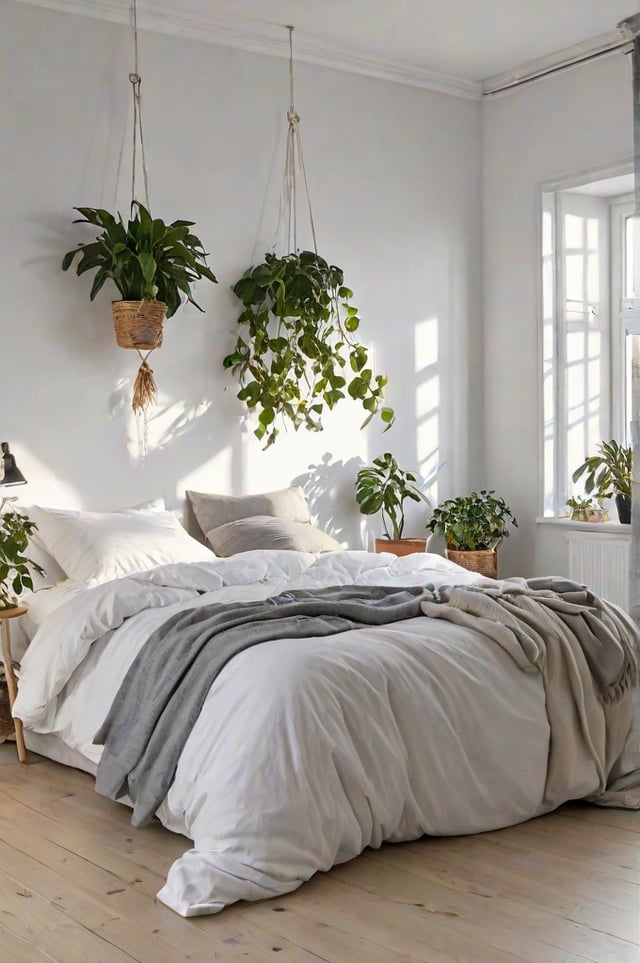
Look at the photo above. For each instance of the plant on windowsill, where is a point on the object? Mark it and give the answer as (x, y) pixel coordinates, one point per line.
(15, 567)
(473, 527)
(384, 487)
(608, 474)
(586, 510)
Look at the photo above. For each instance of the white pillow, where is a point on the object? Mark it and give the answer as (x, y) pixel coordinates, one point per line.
(36, 552)
(95, 547)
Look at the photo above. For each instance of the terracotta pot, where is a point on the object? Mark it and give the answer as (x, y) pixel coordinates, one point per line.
(401, 546)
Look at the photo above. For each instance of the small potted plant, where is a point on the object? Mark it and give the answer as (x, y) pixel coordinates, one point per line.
(297, 356)
(608, 474)
(384, 487)
(473, 527)
(15, 568)
(586, 510)
(152, 264)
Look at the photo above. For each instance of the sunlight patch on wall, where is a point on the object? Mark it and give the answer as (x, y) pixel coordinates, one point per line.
(425, 343)
(43, 487)
(213, 475)
(427, 402)
(166, 422)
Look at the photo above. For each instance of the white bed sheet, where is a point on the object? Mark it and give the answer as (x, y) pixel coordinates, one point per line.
(307, 752)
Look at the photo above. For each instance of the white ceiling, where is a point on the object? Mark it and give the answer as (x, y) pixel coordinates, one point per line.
(455, 44)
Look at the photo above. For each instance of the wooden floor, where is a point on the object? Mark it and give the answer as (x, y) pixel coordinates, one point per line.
(77, 885)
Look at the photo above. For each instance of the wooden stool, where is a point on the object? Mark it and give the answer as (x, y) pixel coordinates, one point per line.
(10, 672)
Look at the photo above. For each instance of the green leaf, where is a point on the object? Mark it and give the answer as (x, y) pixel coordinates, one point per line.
(292, 353)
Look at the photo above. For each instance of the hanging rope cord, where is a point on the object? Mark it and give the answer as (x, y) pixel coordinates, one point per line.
(292, 160)
(145, 392)
(138, 132)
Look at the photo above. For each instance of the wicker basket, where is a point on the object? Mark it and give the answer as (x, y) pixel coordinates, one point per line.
(7, 728)
(138, 324)
(484, 562)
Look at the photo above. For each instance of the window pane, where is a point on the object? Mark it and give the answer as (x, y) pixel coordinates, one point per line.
(593, 278)
(573, 231)
(632, 259)
(574, 267)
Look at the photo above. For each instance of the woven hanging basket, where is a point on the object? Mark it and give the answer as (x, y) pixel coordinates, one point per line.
(138, 324)
(484, 562)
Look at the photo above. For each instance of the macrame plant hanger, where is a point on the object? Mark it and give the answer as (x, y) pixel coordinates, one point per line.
(293, 161)
(145, 392)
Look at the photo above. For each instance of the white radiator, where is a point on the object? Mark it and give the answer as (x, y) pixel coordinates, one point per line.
(601, 560)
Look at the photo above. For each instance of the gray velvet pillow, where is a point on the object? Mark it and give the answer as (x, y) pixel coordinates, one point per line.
(212, 511)
(265, 531)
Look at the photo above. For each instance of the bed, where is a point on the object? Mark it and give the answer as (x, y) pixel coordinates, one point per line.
(307, 750)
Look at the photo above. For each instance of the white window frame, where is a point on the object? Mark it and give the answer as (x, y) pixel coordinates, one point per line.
(625, 312)
(625, 319)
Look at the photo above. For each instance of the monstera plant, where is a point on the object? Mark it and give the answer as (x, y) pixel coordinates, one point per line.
(383, 487)
(297, 356)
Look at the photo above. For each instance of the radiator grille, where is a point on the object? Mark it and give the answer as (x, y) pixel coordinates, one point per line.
(601, 562)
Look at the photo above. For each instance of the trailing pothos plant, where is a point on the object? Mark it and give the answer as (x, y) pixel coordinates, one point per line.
(297, 355)
(15, 567)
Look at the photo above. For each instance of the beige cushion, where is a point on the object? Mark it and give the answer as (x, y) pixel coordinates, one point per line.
(212, 511)
(265, 531)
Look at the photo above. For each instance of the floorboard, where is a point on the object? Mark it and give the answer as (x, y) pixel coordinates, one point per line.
(78, 885)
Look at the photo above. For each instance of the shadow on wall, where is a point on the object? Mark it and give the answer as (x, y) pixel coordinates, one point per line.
(329, 488)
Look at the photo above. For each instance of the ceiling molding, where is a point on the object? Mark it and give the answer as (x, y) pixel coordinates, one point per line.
(264, 38)
(568, 57)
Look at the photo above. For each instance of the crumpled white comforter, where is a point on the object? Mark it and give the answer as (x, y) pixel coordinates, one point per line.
(305, 752)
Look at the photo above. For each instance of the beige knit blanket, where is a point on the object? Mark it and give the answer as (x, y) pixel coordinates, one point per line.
(586, 650)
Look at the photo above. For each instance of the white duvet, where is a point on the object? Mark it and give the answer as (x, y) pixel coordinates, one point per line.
(305, 752)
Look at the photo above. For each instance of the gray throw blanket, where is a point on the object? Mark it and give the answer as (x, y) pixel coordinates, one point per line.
(165, 688)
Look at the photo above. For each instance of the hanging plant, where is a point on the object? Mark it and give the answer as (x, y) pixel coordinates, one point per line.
(147, 260)
(298, 356)
(152, 264)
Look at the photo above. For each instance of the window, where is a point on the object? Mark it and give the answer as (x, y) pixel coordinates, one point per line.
(591, 309)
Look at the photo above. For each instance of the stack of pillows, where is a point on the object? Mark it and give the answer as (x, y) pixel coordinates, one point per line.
(95, 547)
(240, 523)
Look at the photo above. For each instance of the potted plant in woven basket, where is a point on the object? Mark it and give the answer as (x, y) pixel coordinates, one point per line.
(152, 264)
(384, 487)
(473, 527)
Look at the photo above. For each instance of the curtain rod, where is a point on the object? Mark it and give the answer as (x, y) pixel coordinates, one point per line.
(565, 65)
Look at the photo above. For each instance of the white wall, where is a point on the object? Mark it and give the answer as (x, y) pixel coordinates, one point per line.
(571, 122)
(395, 180)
